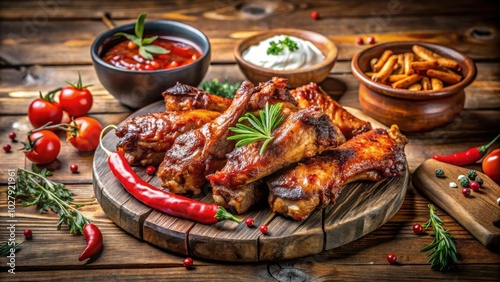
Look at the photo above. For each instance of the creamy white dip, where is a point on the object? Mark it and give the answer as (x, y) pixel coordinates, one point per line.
(305, 56)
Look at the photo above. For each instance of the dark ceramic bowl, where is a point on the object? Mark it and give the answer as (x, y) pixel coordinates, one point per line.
(413, 111)
(137, 89)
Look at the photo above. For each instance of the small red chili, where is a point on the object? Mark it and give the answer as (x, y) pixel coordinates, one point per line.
(169, 203)
(466, 157)
(93, 236)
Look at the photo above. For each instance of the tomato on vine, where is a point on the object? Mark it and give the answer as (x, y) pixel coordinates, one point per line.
(83, 133)
(491, 165)
(42, 147)
(75, 98)
(44, 109)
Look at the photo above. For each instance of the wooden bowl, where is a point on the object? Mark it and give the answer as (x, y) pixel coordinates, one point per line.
(316, 73)
(412, 111)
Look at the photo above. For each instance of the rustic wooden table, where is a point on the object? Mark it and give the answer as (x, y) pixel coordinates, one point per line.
(44, 43)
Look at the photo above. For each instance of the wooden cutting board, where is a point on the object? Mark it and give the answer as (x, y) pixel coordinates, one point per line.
(361, 208)
(479, 213)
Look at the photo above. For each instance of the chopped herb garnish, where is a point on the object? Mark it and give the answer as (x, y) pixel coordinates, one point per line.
(226, 89)
(277, 48)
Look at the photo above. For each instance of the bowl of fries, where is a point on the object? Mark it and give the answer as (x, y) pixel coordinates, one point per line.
(417, 85)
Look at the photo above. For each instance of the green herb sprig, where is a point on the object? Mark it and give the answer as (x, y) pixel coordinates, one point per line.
(277, 48)
(270, 118)
(146, 50)
(444, 253)
(37, 190)
(6, 246)
(226, 89)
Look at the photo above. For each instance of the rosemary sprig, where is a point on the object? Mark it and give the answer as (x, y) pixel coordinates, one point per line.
(270, 118)
(276, 48)
(226, 89)
(37, 190)
(6, 246)
(444, 253)
(146, 50)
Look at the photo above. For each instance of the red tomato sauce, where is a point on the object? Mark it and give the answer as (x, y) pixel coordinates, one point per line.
(125, 55)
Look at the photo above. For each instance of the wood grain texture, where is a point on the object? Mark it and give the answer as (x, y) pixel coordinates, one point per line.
(362, 208)
(479, 213)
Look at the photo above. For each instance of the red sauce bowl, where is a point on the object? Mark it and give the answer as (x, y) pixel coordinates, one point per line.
(137, 88)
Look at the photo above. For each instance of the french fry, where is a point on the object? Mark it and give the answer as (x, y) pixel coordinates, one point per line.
(436, 84)
(426, 84)
(448, 63)
(415, 87)
(382, 60)
(436, 55)
(408, 59)
(370, 74)
(373, 61)
(407, 82)
(424, 65)
(396, 77)
(401, 64)
(423, 53)
(386, 70)
(444, 76)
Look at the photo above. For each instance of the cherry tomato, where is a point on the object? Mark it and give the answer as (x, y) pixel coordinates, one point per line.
(76, 99)
(43, 148)
(85, 133)
(491, 165)
(187, 262)
(43, 110)
(391, 258)
(249, 222)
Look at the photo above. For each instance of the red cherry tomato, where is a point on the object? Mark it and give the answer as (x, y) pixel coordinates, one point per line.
(491, 165)
(76, 99)
(44, 148)
(85, 133)
(43, 110)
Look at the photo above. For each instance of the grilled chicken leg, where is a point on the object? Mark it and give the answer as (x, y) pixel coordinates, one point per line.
(316, 182)
(303, 134)
(182, 97)
(202, 151)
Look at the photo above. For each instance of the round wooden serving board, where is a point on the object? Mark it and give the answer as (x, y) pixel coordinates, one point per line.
(361, 208)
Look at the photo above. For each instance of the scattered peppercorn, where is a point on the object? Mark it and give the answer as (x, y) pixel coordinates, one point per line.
(73, 168)
(453, 185)
(150, 170)
(464, 182)
(466, 192)
(479, 181)
(12, 136)
(472, 174)
(391, 258)
(418, 229)
(263, 229)
(359, 41)
(498, 201)
(187, 262)
(439, 173)
(28, 234)
(371, 40)
(6, 148)
(249, 222)
(474, 186)
(314, 15)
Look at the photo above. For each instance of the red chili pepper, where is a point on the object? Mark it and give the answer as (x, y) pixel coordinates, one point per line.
(466, 157)
(169, 203)
(93, 236)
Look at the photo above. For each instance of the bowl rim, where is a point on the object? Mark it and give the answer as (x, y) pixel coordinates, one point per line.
(330, 57)
(408, 94)
(96, 44)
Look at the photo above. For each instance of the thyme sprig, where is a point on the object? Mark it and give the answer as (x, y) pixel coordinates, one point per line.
(260, 129)
(443, 255)
(277, 48)
(146, 50)
(37, 190)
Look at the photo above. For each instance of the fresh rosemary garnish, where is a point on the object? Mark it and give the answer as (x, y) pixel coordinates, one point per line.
(276, 48)
(37, 190)
(146, 50)
(225, 89)
(261, 129)
(6, 246)
(444, 253)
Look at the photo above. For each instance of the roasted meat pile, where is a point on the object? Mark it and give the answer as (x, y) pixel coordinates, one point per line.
(317, 149)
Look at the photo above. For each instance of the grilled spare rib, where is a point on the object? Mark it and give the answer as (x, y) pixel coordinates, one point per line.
(316, 182)
(182, 97)
(302, 134)
(202, 151)
(144, 139)
(313, 95)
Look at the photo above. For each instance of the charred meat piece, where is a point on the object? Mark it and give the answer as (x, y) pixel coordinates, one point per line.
(182, 97)
(273, 91)
(145, 139)
(303, 134)
(316, 182)
(312, 95)
(202, 151)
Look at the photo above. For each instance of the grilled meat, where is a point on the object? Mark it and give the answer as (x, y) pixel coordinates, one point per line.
(312, 95)
(202, 151)
(145, 139)
(182, 97)
(316, 182)
(303, 134)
